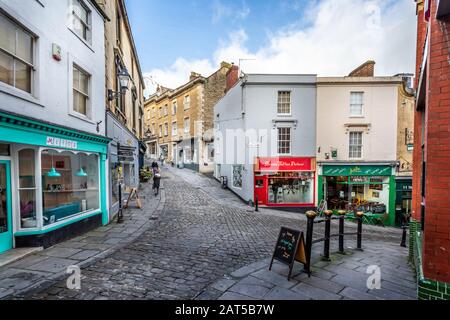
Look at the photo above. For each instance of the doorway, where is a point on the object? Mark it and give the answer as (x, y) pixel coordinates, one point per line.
(6, 235)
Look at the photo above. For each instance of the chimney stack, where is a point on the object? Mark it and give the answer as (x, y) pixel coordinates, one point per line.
(232, 77)
(365, 70)
(194, 75)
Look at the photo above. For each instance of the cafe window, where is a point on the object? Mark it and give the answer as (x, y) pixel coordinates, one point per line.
(237, 176)
(80, 91)
(284, 102)
(291, 187)
(284, 140)
(355, 145)
(27, 188)
(70, 185)
(81, 23)
(16, 55)
(356, 104)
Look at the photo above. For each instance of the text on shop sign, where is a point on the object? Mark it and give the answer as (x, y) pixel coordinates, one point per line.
(62, 143)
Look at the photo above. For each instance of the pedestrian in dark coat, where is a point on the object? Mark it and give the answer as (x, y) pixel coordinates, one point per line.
(156, 181)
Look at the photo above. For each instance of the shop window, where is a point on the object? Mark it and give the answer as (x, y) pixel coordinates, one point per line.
(284, 103)
(70, 185)
(291, 187)
(16, 55)
(356, 104)
(355, 145)
(4, 150)
(27, 188)
(284, 140)
(237, 176)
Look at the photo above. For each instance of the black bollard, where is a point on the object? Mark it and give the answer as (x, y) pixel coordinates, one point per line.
(311, 215)
(359, 218)
(256, 204)
(120, 213)
(341, 231)
(403, 244)
(326, 243)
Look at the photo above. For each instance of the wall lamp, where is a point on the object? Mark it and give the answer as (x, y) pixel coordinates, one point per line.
(124, 81)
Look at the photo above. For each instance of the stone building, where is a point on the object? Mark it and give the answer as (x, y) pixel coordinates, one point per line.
(180, 121)
(430, 226)
(124, 106)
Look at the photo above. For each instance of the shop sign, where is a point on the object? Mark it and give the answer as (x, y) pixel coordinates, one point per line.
(61, 143)
(357, 171)
(285, 164)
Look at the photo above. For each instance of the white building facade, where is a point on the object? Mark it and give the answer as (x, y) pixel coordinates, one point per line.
(265, 135)
(53, 172)
(357, 143)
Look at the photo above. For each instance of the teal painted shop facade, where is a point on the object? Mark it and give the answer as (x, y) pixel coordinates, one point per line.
(53, 182)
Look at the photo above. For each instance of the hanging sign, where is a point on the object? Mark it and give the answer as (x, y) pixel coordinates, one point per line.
(290, 247)
(61, 143)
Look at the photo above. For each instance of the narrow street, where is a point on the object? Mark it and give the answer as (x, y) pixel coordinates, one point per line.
(197, 247)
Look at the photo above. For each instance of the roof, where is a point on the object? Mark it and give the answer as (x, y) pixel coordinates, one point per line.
(100, 10)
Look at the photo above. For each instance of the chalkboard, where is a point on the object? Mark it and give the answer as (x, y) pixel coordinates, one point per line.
(290, 247)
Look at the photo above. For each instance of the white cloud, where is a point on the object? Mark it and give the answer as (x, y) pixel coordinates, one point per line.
(233, 13)
(340, 36)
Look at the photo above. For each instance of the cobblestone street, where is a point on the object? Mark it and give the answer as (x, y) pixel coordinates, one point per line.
(198, 240)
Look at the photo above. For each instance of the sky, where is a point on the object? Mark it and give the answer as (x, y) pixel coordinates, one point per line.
(323, 37)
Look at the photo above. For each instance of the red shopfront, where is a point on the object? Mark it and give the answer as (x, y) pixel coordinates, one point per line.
(285, 181)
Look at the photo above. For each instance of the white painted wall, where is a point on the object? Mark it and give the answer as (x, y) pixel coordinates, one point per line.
(253, 108)
(51, 99)
(379, 112)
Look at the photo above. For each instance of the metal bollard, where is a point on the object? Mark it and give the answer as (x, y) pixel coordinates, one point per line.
(326, 243)
(359, 217)
(311, 215)
(256, 204)
(403, 244)
(341, 231)
(120, 213)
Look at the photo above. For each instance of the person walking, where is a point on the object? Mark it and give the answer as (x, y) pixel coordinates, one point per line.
(156, 180)
(154, 166)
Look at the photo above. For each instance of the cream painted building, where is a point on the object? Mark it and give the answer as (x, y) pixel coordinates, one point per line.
(359, 136)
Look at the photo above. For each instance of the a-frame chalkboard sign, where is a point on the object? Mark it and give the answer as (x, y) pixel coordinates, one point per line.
(290, 247)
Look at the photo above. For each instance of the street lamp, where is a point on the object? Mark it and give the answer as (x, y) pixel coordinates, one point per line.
(124, 82)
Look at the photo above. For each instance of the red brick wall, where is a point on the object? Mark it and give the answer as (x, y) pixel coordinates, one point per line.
(436, 250)
(232, 77)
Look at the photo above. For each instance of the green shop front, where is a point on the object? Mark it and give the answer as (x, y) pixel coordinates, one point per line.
(52, 182)
(363, 187)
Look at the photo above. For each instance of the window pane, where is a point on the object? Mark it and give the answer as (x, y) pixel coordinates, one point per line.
(78, 27)
(75, 191)
(79, 102)
(7, 34)
(23, 76)
(84, 80)
(6, 69)
(27, 208)
(26, 169)
(76, 79)
(80, 11)
(24, 46)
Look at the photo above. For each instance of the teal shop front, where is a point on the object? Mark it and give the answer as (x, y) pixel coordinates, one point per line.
(55, 180)
(364, 187)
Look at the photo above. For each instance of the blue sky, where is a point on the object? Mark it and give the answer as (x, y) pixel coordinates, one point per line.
(324, 37)
(166, 30)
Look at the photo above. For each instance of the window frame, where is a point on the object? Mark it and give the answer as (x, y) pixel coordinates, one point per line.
(350, 145)
(288, 141)
(361, 115)
(280, 92)
(174, 128)
(187, 129)
(87, 26)
(87, 95)
(187, 102)
(174, 107)
(32, 65)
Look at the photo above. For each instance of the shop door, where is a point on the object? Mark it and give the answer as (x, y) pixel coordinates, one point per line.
(261, 187)
(6, 240)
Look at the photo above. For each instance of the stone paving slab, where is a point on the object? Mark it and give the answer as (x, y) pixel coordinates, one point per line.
(42, 268)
